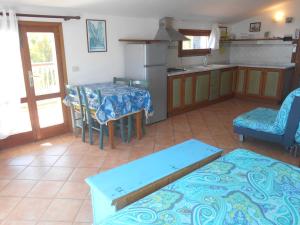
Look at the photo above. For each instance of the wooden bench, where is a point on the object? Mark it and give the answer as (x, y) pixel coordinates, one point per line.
(116, 188)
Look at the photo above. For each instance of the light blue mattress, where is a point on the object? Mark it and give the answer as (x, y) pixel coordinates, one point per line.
(240, 188)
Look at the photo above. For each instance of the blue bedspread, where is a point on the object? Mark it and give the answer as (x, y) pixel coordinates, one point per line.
(240, 188)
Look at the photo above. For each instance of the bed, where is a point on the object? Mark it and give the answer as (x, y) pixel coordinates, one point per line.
(240, 188)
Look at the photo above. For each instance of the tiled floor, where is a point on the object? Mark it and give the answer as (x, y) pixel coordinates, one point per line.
(43, 183)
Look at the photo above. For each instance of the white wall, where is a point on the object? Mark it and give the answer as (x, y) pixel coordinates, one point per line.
(266, 53)
(101, 66)
(216, 56)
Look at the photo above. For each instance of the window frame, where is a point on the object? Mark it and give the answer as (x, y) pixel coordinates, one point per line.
(193, 52)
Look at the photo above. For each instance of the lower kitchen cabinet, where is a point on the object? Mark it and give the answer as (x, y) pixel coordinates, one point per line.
(214, 85)
(202, 88)
(188, 90)
(254, 81)
(272, 80)
(226, 82)
(240, 81)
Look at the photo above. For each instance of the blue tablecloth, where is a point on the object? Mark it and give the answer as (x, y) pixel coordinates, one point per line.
(117, 100)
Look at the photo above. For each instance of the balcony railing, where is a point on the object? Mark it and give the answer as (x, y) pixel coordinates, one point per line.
(45, 76)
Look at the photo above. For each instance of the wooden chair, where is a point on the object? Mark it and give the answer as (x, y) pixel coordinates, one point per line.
(144, 85)
(77, 110)
(121, 80)
(92, 122)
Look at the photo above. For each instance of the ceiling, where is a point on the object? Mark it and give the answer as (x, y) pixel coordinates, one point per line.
(222, 11)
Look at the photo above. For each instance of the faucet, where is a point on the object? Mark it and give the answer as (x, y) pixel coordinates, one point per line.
(204, 60)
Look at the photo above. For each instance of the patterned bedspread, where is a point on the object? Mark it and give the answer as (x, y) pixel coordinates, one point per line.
(240, 188)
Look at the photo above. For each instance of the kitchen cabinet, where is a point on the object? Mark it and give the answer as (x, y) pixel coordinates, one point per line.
(214, 85)
(254, 81)
(189, 91)
(272, 82)
(202, 87)
(240, 81)
(226, 82)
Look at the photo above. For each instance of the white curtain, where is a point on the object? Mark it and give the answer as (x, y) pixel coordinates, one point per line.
(11, 74)
(214, 38)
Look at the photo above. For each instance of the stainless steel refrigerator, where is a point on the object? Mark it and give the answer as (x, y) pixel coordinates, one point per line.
(148, 62)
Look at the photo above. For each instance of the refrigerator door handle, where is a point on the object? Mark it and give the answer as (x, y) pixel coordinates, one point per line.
(146, 66)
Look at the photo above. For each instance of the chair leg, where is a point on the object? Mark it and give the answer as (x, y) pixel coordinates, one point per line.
(129, 133)
(241, 138)
(90, 133)
(101, 137)
(122, 130)
(83, 131)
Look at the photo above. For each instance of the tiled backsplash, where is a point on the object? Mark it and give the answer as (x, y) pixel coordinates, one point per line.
(261, 54)
(237, 54)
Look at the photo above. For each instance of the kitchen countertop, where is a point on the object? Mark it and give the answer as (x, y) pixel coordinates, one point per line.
(201, 68)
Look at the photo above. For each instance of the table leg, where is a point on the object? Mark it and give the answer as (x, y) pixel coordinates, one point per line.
(111, 134)
(138, 124)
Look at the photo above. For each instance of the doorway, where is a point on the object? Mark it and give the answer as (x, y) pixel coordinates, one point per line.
(44, 74)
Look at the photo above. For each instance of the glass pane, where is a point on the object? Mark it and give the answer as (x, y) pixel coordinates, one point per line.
(195, 42)
(24, 124)
(50, 112)
(43, 62)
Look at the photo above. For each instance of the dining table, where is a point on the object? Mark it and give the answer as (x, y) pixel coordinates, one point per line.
(117, 101)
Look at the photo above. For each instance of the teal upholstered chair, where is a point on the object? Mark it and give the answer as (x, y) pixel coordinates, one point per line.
(77, 110)
(92, 122)
(281, 126)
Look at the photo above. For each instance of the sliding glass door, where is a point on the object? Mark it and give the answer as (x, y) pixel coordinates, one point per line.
(42, 111)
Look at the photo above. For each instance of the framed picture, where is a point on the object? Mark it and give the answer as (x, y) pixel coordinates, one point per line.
(96, 35)
(255, 27)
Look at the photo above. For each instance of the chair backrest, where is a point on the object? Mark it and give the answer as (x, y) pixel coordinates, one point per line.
(139, 83)
(88, 109)
(292, 131)
(283, 113)
(121, 80)
(75, 98)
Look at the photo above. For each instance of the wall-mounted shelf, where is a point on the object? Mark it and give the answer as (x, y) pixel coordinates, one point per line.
(258, 41)
(142, 41)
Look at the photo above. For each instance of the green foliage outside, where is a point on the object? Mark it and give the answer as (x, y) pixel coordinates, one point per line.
(40, 47)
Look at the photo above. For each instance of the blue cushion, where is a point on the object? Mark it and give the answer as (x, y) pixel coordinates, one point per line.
(282, 116)
(297, 136)
(260, 119)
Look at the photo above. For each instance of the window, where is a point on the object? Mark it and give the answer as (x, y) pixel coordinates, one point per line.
(196, 45)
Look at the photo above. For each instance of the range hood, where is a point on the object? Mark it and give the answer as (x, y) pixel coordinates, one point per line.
(166, 31)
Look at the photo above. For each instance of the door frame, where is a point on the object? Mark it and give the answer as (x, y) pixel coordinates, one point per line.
(32, 136)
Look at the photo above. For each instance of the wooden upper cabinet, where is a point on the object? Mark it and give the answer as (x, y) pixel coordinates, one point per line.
(254, 81)
(202, 87)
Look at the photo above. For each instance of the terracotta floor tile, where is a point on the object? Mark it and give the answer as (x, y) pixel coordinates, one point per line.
(21, 161)
(79, 174)
(30, 209)
(44, 160)
(10, 172)
(62, 210)
(55, 150)
(68, 160)
(73, 190)
(58, 173)
(33, 173)
(7, 204)
(3, 183)
(91, 161)
(18, 222)
(85, 213)
(54, 223)
(17, 188)
(45, 189)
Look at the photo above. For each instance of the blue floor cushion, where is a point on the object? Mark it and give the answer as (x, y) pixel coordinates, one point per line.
(259, 119)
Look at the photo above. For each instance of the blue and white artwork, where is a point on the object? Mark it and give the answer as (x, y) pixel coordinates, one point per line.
(96, 35)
